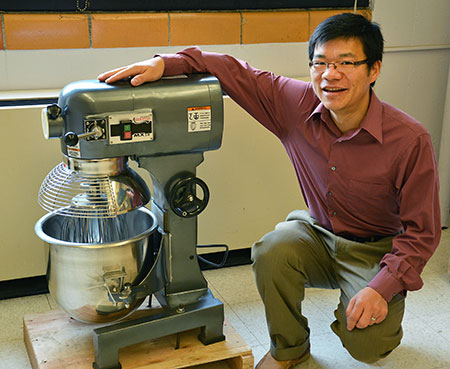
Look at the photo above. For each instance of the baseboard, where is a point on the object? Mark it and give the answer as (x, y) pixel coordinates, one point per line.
(23, 287)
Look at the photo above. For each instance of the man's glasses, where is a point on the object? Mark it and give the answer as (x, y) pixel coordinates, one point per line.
(340, 66)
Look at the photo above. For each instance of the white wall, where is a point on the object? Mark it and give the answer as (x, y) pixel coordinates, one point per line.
(25, 160)
(417, 53)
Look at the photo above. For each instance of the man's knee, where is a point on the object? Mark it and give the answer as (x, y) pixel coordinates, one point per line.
(368, 345)
(374, 342)
(273, 251)
(370, 353)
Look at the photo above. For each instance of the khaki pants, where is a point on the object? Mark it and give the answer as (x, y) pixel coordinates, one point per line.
(300, 253)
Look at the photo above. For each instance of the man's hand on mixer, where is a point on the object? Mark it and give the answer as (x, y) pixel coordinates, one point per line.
(144, 71)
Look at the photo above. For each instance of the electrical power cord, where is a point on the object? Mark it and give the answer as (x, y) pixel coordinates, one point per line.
(210, 263)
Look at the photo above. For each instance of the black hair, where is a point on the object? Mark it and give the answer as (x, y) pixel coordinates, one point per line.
(349, 25)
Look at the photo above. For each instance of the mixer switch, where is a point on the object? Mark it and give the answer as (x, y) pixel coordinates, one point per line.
(134, 126)
(126, 130)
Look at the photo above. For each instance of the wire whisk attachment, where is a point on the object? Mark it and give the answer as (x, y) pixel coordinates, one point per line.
(94, 230)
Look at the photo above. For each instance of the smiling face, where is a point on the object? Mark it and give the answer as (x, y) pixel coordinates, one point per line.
(343, 93)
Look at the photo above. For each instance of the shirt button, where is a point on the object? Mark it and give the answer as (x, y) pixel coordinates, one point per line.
(333, 168)
(329, 193)
(334, 213)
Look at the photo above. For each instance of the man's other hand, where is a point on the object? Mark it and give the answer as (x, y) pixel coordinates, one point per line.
(366, 308)
(145, 71)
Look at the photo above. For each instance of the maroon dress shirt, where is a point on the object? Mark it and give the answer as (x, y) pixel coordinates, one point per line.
(379, 179)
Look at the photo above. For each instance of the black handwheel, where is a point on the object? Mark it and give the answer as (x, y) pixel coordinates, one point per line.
(184, 199)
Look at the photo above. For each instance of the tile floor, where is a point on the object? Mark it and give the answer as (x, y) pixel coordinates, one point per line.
(426, 342)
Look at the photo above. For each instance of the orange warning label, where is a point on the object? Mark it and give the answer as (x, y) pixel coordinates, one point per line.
(199, 118)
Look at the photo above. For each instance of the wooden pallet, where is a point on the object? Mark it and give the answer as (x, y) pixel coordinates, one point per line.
(55, 341)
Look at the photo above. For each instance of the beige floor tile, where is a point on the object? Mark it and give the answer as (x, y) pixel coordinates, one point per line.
(439, 262)
(253, 318)
(12, 312)
(235, 284)
(422, 347)
(440, 324)
(215, 293)
(325, 300)
(433, 299)
(319, 320)
(13, 355)
(51, 301)
(238, 324)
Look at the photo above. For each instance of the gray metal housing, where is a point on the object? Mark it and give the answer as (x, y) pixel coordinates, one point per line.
(169, 100)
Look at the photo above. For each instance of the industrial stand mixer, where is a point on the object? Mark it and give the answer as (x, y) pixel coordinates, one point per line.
(107, 252)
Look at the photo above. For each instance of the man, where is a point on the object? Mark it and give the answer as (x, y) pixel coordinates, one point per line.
(368, 175)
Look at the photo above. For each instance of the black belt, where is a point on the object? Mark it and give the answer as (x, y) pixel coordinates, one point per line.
(350, 237)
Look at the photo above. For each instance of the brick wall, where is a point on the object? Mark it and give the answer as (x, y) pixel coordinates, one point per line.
(23, 31)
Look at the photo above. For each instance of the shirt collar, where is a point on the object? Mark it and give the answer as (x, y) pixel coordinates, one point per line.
(371, 122)
(325, 117)
(320, 109)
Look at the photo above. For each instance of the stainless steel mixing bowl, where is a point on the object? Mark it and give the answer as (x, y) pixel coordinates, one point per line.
(83, 277)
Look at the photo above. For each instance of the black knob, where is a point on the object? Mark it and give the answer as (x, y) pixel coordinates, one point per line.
(53, 111)
(70, 139)
(184, 198)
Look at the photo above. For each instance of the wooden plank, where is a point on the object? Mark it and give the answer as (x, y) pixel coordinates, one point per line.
(241, 362)
(55, 341)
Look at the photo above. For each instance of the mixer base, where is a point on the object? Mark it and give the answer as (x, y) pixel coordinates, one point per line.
(206, 313)
(55, 340)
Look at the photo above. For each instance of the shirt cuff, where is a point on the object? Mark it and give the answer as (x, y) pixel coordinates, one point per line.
(174, 64)
(386, 284)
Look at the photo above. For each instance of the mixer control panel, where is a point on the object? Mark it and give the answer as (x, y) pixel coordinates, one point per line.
(134, 126)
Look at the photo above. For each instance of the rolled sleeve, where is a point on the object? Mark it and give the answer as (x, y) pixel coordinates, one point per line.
(386, 284)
